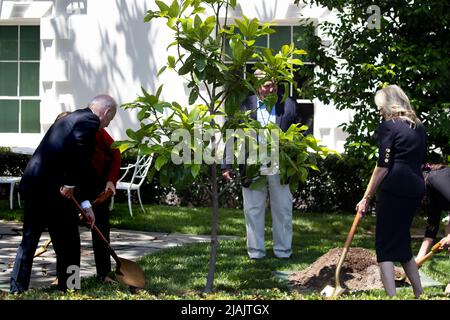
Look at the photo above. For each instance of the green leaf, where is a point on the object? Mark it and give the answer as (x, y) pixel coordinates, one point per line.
(195, 170)
(131, 134)
(162, 70)
(142, 114)
(158, 92)
(161, 161)
(303, 174)
(193, 96)
(285, 50)
(171, 23)
(174, 9)
(123, 145)
(197, 23)
(200, 63)
(144, 149)
(151, 173)
(241, 23)
(186, 4)
(260, 183)
(252, 29)
(187, 67)
(171, 61)
(161, 106)
(162, 6)
(270, 101)
(150, 15)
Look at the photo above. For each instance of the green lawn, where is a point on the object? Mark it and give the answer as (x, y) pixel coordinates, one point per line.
(180, 273)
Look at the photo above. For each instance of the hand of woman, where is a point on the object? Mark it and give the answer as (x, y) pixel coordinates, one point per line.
(445, 242)
(363, 206)
(110, 185)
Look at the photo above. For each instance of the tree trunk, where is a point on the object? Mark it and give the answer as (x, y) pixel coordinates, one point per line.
(214, 226)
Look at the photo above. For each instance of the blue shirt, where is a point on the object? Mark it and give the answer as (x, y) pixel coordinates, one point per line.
(263, 116)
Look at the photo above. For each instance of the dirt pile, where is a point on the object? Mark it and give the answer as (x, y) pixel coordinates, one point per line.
(359, 272)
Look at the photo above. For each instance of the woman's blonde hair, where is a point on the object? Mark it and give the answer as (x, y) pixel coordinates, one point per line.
(396, 105)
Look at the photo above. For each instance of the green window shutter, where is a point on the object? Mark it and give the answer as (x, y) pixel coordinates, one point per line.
(8, 42)
(29, 78)
(9, 121)
(30, 119)
(280, 38)
(29, 43)
(8, 78)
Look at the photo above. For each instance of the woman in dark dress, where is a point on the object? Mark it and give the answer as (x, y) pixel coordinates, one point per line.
(437, 186)
(398, 173)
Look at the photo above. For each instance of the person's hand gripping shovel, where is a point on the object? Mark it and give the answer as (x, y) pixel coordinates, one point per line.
(102, 197)
(438, 247)
(127, 272)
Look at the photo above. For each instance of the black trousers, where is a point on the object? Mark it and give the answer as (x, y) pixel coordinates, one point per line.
(101, 253)
(60, 217)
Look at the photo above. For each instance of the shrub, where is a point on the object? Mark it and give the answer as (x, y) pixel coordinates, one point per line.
(338, 186)
(12, 164)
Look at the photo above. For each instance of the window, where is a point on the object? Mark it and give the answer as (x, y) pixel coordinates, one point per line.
(19, 79)
(303, 74)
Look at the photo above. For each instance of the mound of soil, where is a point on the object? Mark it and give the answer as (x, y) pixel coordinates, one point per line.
(359, 272)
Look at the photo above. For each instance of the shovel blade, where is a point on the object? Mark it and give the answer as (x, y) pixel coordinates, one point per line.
(332, 292)
(130, 274)
(338, 291)
(327, 292)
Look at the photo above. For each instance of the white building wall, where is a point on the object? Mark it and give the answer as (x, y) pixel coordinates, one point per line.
(91, 46)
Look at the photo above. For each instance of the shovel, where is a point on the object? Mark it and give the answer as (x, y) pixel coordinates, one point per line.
(329, 291)
(102, 197)
(435, 249)
(127, 271)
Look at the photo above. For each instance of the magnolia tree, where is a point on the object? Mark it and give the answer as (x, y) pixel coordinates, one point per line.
(188, 140)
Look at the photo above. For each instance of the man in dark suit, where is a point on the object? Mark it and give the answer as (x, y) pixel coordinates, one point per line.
(284, 115)
(59, 167)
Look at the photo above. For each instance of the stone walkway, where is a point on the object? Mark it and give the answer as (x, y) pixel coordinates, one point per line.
(127, 244)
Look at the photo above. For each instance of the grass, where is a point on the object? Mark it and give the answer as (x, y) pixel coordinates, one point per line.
(180, 273)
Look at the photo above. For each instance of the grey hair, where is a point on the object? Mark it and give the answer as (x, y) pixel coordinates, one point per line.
(104, 101)
(395, 104)
(260, 74)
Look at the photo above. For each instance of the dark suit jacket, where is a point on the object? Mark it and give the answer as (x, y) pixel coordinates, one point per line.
(64, 156)
(286, 115)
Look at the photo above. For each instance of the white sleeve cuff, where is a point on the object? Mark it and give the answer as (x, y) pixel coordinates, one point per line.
(86, 204)
(69, 187)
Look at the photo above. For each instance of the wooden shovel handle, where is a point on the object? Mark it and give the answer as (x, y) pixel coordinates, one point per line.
(436, 249)
(102, 197)
(347, 243)
(97, 232)
(352, 231)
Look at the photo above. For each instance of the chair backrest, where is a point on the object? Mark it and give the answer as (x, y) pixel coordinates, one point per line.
(141, 169)
(139, 172)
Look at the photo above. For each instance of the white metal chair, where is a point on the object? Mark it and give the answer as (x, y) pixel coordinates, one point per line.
(140, 170)
(12, 182)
